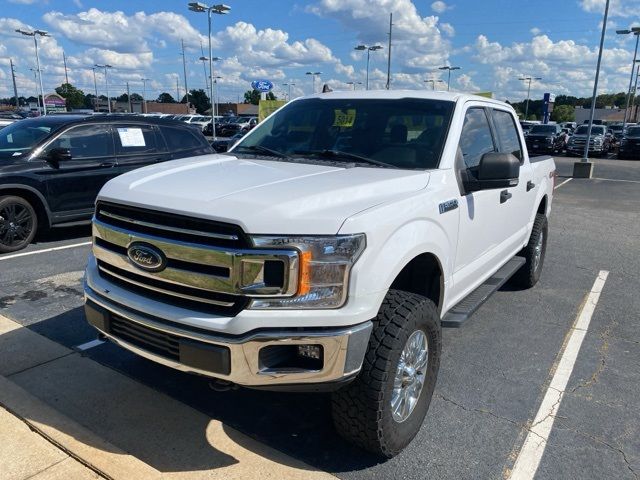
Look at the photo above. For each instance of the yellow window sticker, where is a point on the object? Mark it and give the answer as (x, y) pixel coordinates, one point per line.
(344, 119)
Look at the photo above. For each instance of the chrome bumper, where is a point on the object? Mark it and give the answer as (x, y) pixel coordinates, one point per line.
(237, 359)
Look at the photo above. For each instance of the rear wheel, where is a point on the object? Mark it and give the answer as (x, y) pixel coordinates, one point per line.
(18, 223)
(382, 410)
(533, 253)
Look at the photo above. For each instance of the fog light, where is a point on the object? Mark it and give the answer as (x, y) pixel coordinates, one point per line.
(310, 351)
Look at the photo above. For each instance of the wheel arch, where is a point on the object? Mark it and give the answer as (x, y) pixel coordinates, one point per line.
(542, 206)
(422, 275)
(34, 197)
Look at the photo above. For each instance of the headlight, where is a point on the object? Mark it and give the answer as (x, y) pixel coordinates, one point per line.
(324, 267)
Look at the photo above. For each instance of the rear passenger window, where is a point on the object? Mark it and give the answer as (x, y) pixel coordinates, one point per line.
(507, 133)
(180, 138)
(476, 138)
(137, 139)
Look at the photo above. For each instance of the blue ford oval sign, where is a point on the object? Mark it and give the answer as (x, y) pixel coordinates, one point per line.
(147, 257)
(262, 85)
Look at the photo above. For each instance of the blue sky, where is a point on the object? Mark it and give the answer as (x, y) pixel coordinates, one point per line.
(492, 41)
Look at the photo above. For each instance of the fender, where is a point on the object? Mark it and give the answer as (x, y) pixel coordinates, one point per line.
(36, 192)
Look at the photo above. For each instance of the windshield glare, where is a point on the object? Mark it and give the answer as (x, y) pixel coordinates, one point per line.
(18, 138)
(595, 130)
(542, 129)
(403, 133)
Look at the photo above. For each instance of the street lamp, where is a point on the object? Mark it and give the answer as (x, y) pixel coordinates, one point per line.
(220, 9)
(35, 80)
(528, 79)
(369, 50)
(635, 31)
(106, 82)
(449, 68)
(95, 87)
(144, 95)
(354, 84)
(289, 85)
(216, 94)
(207, 79)
(635, 91)
(314, 75)
(35, 34)
(433, 82)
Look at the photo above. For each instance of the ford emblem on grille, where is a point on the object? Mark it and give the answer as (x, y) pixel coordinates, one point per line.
(147, 257)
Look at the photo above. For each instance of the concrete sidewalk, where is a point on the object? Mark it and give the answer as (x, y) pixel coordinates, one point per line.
(65, 416)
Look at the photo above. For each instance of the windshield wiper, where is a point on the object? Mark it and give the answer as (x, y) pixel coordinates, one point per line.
(261, 149)
(328, 153)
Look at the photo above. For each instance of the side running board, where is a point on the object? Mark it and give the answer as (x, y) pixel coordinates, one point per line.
(459, 314)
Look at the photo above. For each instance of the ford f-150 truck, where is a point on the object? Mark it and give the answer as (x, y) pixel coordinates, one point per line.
(325, 251)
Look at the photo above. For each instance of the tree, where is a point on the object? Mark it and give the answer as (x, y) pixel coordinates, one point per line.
(253, 97)
(563, 113)
(124, 98)
(74, 97)
(199, 99)
(165, 97)
(89, 100)
(136, 97)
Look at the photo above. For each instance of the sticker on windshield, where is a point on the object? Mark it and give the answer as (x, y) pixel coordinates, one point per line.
(344, 119)
(131, 137)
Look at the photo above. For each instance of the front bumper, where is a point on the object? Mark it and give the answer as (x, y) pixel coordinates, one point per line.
(244, 360)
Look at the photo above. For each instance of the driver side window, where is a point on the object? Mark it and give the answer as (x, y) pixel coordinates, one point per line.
(476, 138)
(85, 141)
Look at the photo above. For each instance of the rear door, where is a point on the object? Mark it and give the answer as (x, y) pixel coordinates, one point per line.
(72, 185)
(185, 142)
(138, 145)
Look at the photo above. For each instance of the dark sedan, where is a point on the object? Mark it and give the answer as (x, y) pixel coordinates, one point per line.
(52, 167)
(630, 144)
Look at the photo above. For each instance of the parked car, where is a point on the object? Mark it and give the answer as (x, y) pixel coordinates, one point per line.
(8, 119)
(570, 126)
(630, 144)
(288, 264)
(52, 167)
(222, 144)
(242, 124)
(599, 144)
(220, 122)
(196, 120)
(546, 139)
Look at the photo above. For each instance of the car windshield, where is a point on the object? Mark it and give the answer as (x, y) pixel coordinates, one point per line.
(595, 130)
(542, 129)
(19, 138)
(616, 128)
(633, 132)
(400, 133)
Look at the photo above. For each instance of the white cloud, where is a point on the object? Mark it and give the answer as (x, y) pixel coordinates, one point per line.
(535, 31)
(617, 8)
(439, 6)
(448, 29)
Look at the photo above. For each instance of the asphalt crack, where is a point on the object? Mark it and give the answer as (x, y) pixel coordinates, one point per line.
(605, 335)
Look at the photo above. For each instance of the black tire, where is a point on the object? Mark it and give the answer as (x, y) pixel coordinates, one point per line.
(18, 223)
(362, 411)
(529, 273)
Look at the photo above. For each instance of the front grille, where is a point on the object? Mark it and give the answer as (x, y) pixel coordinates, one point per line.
(155, 341)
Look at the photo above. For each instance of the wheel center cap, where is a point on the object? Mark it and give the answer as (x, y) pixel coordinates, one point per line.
(408, 376)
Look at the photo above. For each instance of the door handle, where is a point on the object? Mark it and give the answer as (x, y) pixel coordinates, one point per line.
(108, 164)
(530, 185)
(504, 196)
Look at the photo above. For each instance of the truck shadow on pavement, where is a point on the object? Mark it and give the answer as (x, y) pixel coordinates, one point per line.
(174, 432)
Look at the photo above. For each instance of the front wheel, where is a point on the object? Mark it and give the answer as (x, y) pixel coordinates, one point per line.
(18, 223)
(382, 410)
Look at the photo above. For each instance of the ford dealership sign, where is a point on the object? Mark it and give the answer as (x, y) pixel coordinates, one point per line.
(262, 85)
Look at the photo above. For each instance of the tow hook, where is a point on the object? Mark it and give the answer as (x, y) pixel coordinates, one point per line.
(222, 385)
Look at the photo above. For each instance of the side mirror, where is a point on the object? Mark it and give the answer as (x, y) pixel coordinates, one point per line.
(59, 154)
(496, 170)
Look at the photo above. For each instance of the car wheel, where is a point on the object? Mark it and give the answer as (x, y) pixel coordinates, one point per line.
(18, 223)
(382, 410)
(533, 253)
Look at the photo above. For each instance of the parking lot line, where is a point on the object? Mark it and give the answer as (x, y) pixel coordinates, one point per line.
(566, 181)
(88, 345)
(44, 250)
(616, 180)
(534, 445)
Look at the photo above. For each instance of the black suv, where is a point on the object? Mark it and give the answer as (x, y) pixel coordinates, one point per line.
(52, 167)
(546, 139)
(630, 143)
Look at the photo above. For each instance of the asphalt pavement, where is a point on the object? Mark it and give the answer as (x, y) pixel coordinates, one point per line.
(494, 373)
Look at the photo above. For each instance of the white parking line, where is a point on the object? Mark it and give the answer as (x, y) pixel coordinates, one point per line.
(616, 180)
(45, 250)
(559, 185)
(88, 345)
(531, 453)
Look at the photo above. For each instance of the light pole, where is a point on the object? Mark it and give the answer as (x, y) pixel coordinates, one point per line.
(144, 94)
(449, 68)
(289, 85)
(95, 87)
(220, 9)
(369, 49)
(207, 78)
(35, 34)
(635, 91)
(313, 76)
(354, 84)
(106, 83)
(35, 81)
(635, 31)
(216, 95)
(433, 82)
(528, 79)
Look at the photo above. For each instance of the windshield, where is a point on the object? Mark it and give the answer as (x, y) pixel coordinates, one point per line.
(401, 133)
(18, 138)
(633, 132)
(542, 129)
(616, 128)
(595, 130)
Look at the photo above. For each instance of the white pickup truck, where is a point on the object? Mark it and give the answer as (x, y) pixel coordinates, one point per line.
(325, 251)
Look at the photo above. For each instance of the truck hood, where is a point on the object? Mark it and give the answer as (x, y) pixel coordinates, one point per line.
(263, 196)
